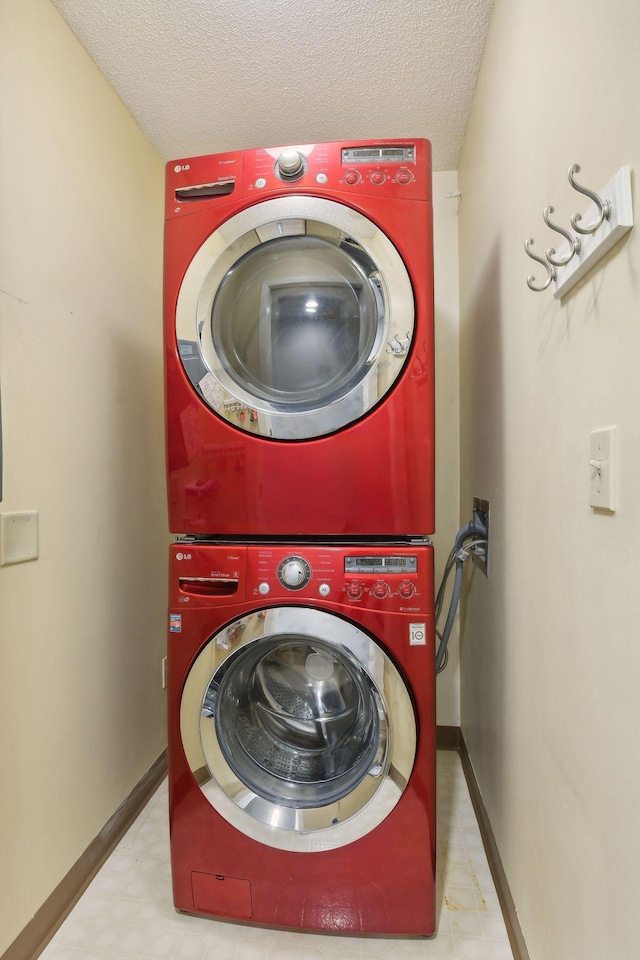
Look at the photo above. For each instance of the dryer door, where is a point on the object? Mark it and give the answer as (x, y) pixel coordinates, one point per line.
(297, 313)
(298, 728)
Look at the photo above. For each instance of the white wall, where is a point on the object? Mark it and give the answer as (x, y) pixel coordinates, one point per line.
(83, 627)
(551, 659)
(445, 217)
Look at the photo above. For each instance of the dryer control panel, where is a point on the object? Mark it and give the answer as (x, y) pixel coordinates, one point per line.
(377, 168)
(387, 168)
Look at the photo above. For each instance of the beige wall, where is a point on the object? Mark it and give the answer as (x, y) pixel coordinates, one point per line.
(445, 217)
(83, 627)
(551, 659)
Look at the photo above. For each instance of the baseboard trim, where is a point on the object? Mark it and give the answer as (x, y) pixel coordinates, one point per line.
(514, 931)
(31, 942)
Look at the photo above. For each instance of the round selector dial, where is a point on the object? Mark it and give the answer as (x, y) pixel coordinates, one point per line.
(380, 590)
(290, 165)
(294, 573)
(354, 590)
(406, 590)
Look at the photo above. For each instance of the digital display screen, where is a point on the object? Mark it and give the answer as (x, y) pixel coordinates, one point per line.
(378, 154)
(381, 564)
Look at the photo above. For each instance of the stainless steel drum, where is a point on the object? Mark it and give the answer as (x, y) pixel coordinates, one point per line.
(298, 728)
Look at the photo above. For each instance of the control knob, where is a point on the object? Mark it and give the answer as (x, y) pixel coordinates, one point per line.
(354, 590)
(290, 164)
(294, 573)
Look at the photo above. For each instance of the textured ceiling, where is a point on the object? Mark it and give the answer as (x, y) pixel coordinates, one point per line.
(205, 76)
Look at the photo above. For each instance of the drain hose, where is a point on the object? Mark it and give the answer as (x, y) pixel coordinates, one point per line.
(475, 530)
(453, 606)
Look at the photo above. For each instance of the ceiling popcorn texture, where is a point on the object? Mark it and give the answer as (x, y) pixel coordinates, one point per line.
(207, 76)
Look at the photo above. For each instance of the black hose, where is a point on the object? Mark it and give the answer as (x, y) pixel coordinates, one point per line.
(453, 606)
(476, 529)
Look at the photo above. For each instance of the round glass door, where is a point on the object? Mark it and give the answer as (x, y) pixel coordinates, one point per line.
(288, 720)
(295, 318)
(297, 720)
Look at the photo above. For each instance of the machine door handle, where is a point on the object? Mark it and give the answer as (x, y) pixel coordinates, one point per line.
(204, 191)
(208, 586)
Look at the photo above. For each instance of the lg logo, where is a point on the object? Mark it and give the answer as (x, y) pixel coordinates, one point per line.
(179, 167)
(183, 556)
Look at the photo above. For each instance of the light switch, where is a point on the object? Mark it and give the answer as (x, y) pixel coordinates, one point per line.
(602, 474)
(18, 537)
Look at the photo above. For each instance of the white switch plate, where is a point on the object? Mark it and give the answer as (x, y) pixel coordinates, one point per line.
(18, 537)
(602, 469)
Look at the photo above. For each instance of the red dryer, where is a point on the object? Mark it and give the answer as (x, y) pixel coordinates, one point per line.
(302, 735)
(299, 341)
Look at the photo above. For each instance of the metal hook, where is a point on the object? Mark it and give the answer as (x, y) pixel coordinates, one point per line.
(604, 206)
(574, 242)
(548, 267)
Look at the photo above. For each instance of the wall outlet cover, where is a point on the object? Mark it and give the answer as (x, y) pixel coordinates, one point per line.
(18, 537)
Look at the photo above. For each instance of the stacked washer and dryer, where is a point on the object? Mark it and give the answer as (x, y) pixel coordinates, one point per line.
(300, 460)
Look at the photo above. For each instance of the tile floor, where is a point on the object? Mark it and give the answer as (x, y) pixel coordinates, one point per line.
(127, 911)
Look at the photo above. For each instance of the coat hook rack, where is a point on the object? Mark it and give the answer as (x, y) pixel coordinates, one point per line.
(603, 206)
(573, 242)
(549, 267)
(607, 219)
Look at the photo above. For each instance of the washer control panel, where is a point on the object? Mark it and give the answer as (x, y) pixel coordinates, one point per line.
(395, 579)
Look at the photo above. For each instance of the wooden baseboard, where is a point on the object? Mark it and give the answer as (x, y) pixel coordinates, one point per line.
(31, 942)
(518, 945)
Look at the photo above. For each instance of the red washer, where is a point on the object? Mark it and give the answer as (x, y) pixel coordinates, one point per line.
(299, 342)
(302, 737)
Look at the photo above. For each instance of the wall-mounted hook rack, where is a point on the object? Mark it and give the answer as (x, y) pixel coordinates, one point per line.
(551, 270)
(574, 243)
(605, 221)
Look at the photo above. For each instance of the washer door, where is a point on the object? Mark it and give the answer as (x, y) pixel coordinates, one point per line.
(298, 728)
(295, 318)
